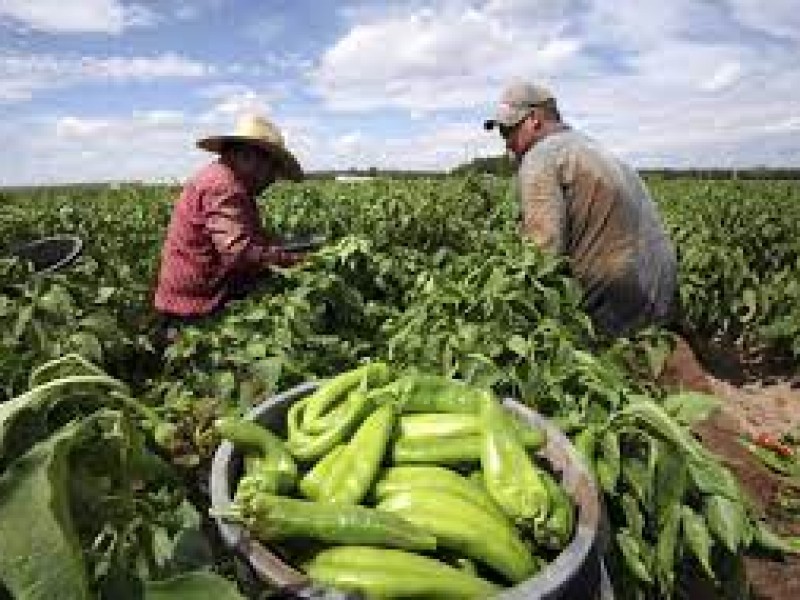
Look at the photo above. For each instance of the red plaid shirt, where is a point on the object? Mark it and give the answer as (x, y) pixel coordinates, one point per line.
(214, 244)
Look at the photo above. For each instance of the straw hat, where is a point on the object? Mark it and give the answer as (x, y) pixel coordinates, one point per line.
(258, 131)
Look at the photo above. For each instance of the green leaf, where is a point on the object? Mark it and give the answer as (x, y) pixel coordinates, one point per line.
(633, 515)
(726, 520)
(697, 538)
(632, 552)
(690, 407)
(766, 539)
(66, 366)
(518, 345)
(638, 477)
(195, 585)
(665, 548)
(608, 463)
(711, 478)
(41, 556)
(670, 482)
(87, 345)
(24, 419)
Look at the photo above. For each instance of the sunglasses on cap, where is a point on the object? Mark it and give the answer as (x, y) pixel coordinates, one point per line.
(506, 131)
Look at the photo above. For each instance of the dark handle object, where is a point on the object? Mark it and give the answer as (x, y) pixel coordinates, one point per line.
(49, 254)
(303, 244)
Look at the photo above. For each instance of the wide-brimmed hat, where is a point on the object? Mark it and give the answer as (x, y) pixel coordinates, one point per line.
(260, 132)
(516, 103)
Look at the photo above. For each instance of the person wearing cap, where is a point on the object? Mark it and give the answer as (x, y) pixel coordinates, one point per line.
(215, 245)
(580, 201)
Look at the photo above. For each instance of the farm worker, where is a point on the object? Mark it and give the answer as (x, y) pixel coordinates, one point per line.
(215, 244)
(581, 201)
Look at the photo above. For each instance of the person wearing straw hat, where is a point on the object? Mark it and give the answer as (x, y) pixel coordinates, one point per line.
(215, 245)
(580, 201)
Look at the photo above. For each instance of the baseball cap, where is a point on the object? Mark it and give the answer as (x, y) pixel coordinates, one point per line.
(516, 102)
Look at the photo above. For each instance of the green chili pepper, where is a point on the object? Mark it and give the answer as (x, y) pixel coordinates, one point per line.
(278, 517)
(426, 425)
(439, 425)
(382, 573)
(511, 478)
(461, 525)
(416, 393)
(335, 389)
(308, 446)
(276, 469)
(407, 478)
(353, 472)
(444, 450)
(556, 532)
(259, 478)
(311, 482)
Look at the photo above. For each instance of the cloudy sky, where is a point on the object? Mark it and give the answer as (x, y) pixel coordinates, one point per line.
(115, 89)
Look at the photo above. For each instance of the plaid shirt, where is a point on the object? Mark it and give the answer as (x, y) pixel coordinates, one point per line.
(215, 243)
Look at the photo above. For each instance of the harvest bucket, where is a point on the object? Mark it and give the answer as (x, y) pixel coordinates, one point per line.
(577, 572)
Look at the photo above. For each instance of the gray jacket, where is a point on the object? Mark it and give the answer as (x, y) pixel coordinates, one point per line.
(578, 200)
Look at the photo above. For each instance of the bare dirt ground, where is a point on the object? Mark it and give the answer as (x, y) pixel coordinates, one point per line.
(770, 404)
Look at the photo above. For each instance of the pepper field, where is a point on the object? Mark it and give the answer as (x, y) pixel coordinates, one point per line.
(107, 499)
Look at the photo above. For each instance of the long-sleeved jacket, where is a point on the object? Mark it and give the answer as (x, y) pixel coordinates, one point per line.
(214, 243)
(580, 201)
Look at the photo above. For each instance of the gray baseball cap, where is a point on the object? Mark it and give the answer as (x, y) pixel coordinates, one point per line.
(516, 102)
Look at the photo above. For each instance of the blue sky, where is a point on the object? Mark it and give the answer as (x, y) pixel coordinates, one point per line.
(113, 90)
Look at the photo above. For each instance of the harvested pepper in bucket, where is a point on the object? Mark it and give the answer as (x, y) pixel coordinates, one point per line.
(418, 393)
(307, 444)
(274, 469)
(384, 573)
(461, 525)
(434, 426)
(354, 470)
(510, 476)
(334, 390)
(277, 517)
(406, 478)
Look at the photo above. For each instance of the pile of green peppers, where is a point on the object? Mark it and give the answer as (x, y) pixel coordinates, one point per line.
(402, 486)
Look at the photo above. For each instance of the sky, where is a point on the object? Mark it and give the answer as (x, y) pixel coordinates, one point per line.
(99, 90)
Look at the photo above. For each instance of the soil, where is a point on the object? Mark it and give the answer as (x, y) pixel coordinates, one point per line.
(769, 404)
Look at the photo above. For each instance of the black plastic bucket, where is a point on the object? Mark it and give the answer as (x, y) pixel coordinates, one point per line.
(50, 253)
(577, 572)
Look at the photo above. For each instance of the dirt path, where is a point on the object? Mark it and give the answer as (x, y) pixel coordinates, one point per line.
(751, 409)
(752, 402)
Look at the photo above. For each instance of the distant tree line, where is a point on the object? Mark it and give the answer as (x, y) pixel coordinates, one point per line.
(501, 165)
(753, 173)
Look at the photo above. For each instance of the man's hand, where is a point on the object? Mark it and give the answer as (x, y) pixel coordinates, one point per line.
(289, 259)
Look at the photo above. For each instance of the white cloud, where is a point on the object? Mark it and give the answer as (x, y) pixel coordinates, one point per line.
(779, 18)
(647, 78)
(686, 82)
(726, 75)
(77, 16)
(145, 145)
(229, 100)
(22, 75)
(430, 59)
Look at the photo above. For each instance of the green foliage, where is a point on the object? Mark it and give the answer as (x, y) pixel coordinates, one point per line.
(428, 274)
